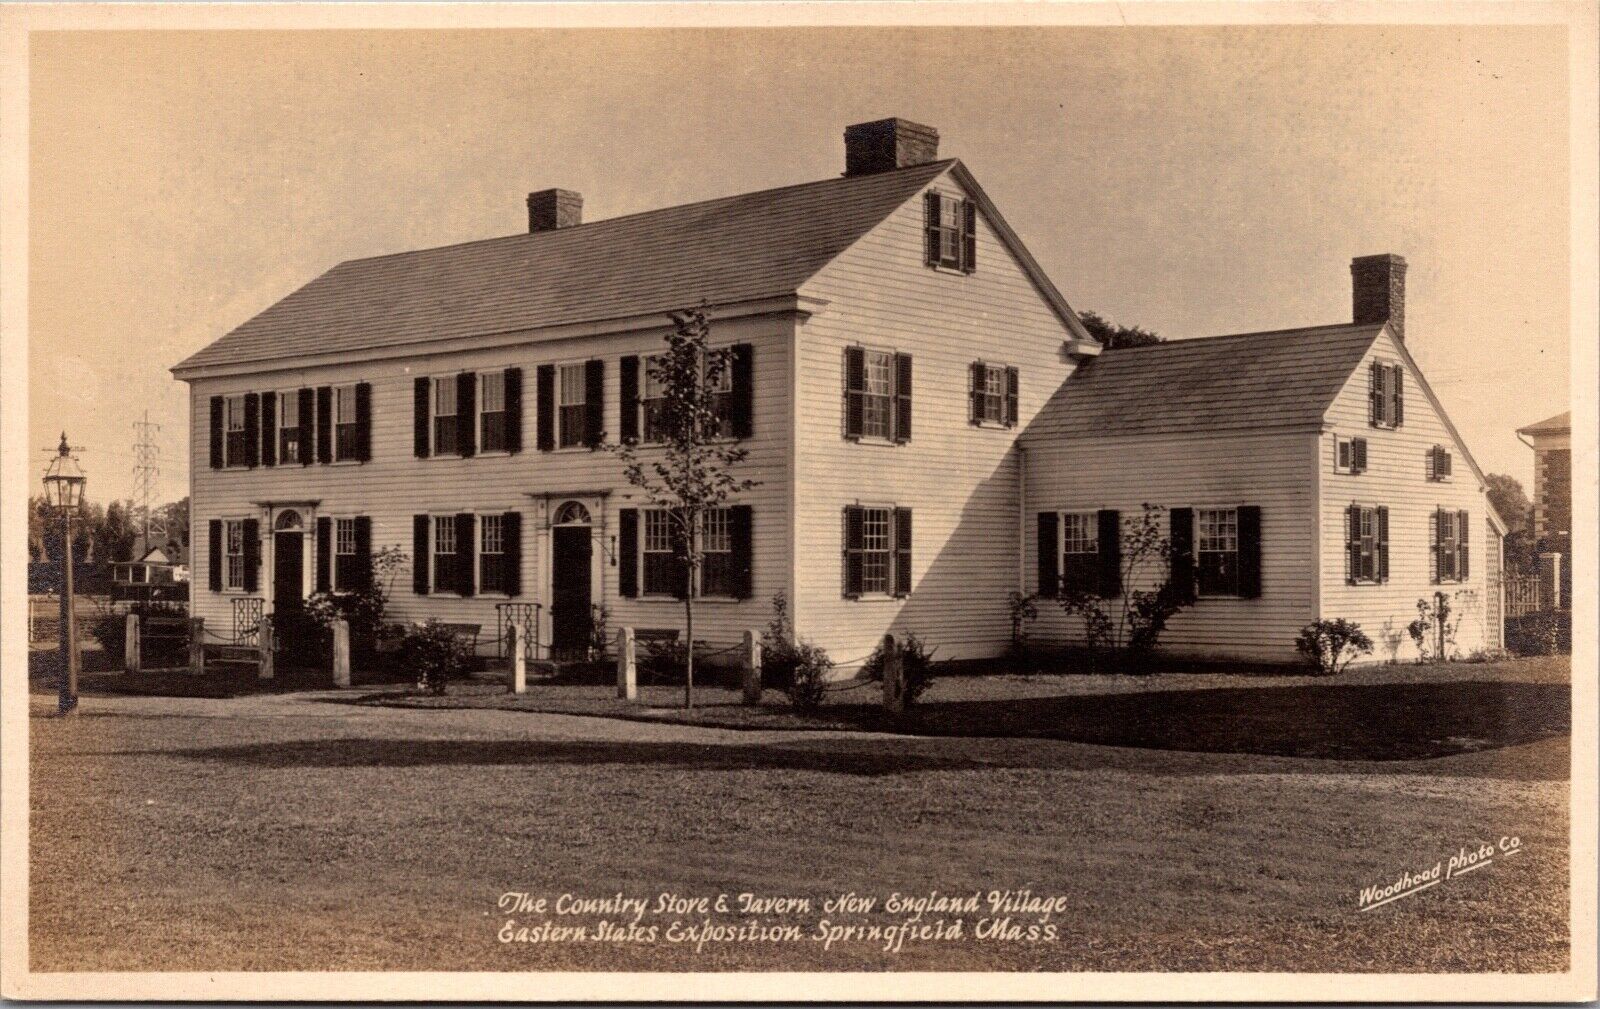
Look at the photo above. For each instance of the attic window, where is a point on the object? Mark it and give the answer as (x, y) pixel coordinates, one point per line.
(950, 230)
(1437, 463)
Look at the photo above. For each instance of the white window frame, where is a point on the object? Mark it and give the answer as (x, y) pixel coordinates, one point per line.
(870, 553)
(1200, 534)
(655, 537)
(566, 439)
(994, 377)
(344, 534)
(884, 399)
(651, 392)
(339, 423)
(436, 383)
(1344, 454)
(285, 398)
(233, 408)
(434, 566)
(1086, 544)
(484, 412)
(716, 537)
(232, 559)
(483, 524)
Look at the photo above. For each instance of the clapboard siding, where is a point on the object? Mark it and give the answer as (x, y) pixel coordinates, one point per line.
(395, 485)
(960, 481)
(1396, 477)
(1272, 471)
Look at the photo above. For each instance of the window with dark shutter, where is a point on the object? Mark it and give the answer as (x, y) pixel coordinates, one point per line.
(1463, 542)
(628, 553)
(218, 431)
(306, 410)
(628, 380)
(902, 398)
(1049, 549)
(467, 414)
(594, 378)
(741, 527)
(855, 392)
(854, 540)
(1181, 534)
(422, 428)
(1080, 552)
(1383, 543)
(269, 429)
(466, 539)
(1013, 394)
(363, 445)
(492, 554)
(361, 564)
(969, 236)
(902, 552)
(346, 424)
(324, 579)
(1352, 544)
(252, 553)
(214, 555)
(324, 423)
(420, 581)
(742, 402)
(1108, 547)
(492, 435)
(1249, 551)
(511, 529)
(950, 230)
(1397, 397)
(930, 228)
(545, 406)
(1375, 394)
(976, 375)
(513, 392)
(252, 429)
(1358, 455)
(1217, 551)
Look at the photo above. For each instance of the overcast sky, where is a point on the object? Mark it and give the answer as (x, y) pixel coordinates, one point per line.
(1192, 181)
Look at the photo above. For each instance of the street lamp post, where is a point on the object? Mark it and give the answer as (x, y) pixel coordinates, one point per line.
(63, 483)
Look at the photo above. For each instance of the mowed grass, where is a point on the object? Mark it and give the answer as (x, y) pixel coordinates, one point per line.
(278, 833)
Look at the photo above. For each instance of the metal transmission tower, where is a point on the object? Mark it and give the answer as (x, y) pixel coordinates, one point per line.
(146, 468)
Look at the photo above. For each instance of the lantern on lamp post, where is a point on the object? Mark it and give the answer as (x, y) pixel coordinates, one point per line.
(63, 485)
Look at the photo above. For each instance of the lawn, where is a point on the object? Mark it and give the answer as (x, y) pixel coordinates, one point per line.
(280, 832)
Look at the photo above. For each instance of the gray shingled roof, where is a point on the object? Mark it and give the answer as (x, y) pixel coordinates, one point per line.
(738, 248)
(1284, 378)
(1561, 423)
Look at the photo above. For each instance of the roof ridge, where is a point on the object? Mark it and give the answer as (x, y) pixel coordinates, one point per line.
(1180, 341)
(942, 164)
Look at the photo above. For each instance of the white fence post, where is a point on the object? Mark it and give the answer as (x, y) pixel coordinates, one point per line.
(268, 647)
(518, 668)
(752, 667)
(130, 646)
(341, 653)
(627, 672)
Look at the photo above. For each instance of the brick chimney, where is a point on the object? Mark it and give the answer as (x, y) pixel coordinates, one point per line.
(888, 144)
(1378, 291)
(549, 209)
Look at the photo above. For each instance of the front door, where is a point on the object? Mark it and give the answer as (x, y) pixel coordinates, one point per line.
(569, 597)
(288, 571)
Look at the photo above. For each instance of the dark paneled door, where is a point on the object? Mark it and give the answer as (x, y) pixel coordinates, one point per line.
(570, 596)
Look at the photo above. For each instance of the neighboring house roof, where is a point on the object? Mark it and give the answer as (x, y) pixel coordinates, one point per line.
(1561, 423)
(1245, 381)
(724, 251)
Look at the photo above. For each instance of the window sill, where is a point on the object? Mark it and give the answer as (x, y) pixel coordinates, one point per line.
(991, 425)
(876, 441)
(346, 462)
(955, 270)
(874, 597)
(493, 453)
(657, 597)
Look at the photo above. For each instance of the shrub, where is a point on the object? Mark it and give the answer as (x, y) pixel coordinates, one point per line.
(434, 654)
(1544, 632)
(1434, 632)
(778, 653)
(1127, 626)
(1024, 610)
(808, 676)
(916, 662)
(1331, 645)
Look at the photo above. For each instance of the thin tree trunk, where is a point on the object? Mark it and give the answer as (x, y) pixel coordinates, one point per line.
(688, 681)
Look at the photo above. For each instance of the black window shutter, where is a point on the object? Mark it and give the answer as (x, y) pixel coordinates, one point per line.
(545, 407)
(324, 423)
(1463, 542)
(364, 421)
(930, 228)
(902, 398)
(1182, 537)
(1049, 554)
(419, 554)
(422, 405)
(308, 407)
(628, 553)
(467, 413)
(1352, 544)
(1250, 551)
(511, 545)
(214, 555)
(975, 381)
(252, 554)
(1383, 543)
(216, 432)
(363, 554)
(324, 554)
(1397, 390)
(269, 429)
(252, 429)
(854, 535)
(1013, 392)
(513, 400)
(628, 378)
(1108, 531)
(902, 552)
(855, 381)
(1430, 465)
(466, 552)
(1434, 545)
(594, 400)
(1375, 394)
(741, 535)
(744, 390)
(1358, 455)
(969, 236)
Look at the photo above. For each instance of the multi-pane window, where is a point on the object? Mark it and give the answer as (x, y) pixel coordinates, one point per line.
(1366, 544)
(1386, 394)
(716, 543)
(233, 407)
(989, 394)
(492, 411)
(719, 393)
(652, 400)
(877, 401)
(1217, 551)
(950, 232)
(445, 441)
(875, 555)
(233, 543)
(661, 568)
(288, 427)
(571, 405)
(491, 553)
(345, 577)
(1450, 545)
(444, 553)
(1080, 551)
(345, 433)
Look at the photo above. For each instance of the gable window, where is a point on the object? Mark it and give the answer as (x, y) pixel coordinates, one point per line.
(346, 434)
(1386, 394)
(950, 227)
(1080, 552)
(1350, 455)
(1449, 545)
(1437, 463)
(1217, 551)
(492, 411)
(237, 441)
(288, 427)
(444, 554)
(345, 577)
(491, 553)
(445, 441)
(661, 568)
(571, 412)
(234, 554)
(1366, 545)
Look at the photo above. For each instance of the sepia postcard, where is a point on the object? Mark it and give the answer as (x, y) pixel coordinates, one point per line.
(799, 502)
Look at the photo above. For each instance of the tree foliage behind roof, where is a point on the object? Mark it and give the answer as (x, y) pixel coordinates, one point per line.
(1113, 336)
